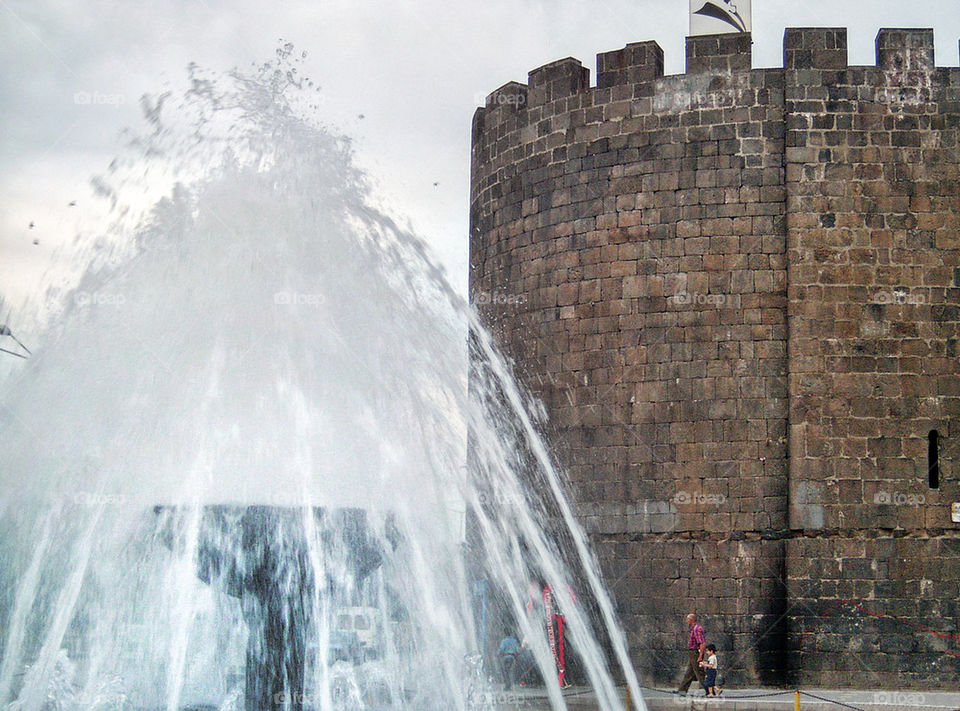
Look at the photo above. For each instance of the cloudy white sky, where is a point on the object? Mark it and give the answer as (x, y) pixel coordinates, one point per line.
(415, 70)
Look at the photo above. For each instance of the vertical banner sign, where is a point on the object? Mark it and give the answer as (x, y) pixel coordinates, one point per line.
(714, 17)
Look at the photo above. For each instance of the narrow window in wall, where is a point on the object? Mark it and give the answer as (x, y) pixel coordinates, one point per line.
(933, 459)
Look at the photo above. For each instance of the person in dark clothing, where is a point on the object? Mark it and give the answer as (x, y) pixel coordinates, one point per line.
(509, 651)
(710, 666)
(259, 554)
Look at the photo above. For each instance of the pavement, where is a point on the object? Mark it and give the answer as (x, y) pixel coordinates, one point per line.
(582, 699)
(810, 700)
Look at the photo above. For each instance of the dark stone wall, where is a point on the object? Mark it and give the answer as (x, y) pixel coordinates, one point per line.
(660, 263)
(873, 198)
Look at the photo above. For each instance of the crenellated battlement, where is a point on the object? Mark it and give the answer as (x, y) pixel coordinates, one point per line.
(637, 63)
(905, 50)
(815, 48)
(557, 80)
(637, 70)
(719, 53)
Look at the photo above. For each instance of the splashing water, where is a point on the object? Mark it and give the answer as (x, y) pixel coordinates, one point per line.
(235, 473)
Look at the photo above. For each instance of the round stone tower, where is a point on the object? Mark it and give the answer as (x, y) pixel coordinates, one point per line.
(735, 291)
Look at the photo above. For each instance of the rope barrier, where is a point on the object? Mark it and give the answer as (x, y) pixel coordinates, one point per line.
(767, 694)
(575, 692)
(831, 701)
(738, 697)
(725, 695)
(756, 696)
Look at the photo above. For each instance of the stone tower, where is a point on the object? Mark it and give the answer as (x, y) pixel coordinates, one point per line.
(736, 292)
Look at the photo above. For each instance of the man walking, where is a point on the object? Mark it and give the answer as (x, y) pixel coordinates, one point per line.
(695, 647)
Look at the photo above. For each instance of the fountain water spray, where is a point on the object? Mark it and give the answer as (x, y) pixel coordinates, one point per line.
(234, 473)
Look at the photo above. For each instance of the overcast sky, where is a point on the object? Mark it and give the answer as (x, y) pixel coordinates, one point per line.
(415, 70)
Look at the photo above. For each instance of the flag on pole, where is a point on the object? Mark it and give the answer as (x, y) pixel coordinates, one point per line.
(712, 17)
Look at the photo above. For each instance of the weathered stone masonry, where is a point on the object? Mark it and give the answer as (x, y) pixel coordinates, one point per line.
(736, 291)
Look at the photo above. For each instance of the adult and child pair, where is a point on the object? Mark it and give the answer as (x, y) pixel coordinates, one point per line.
(701, 661)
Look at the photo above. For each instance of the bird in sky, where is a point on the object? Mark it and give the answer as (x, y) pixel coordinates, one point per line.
(5, 331)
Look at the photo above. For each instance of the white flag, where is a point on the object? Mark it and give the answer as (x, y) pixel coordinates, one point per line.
(712, 17)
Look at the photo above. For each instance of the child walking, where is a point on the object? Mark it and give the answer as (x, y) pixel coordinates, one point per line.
(710, 665)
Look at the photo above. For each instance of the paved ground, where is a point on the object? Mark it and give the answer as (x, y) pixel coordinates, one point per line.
(810, 700)
(581, 699)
